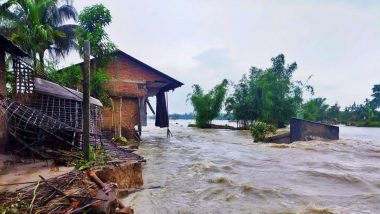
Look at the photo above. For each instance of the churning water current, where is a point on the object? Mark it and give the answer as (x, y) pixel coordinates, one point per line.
(223, 171)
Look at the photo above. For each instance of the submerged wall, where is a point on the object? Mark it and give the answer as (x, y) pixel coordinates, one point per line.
(303, 130)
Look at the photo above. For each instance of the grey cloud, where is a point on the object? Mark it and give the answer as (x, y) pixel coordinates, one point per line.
(205, 41)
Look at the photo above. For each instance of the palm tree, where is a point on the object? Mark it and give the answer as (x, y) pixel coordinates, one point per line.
(39, 26)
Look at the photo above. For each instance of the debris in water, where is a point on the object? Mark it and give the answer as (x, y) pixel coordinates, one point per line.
(313, 209)
(221, 180)
(280, 146)
(246, 187)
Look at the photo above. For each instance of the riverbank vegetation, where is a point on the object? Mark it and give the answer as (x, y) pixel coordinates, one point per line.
(366, 114)
(272, 97)
(267, 95)
(208, 105)
(260, 130)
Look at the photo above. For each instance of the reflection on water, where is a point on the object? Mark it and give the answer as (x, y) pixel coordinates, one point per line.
(223, 171)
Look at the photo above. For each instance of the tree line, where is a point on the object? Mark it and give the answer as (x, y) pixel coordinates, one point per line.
(272, 96)
(49, 29)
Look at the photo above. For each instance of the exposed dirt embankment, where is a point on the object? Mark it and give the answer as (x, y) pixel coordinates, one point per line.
(94, 190)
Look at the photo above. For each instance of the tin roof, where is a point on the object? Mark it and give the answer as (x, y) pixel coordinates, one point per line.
(53, 89)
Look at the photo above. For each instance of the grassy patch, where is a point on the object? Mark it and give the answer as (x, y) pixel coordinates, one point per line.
(364, 123)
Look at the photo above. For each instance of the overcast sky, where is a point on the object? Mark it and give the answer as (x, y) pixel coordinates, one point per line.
(202, 42)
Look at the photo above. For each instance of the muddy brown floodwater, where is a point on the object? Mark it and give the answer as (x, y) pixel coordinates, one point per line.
(223, 171)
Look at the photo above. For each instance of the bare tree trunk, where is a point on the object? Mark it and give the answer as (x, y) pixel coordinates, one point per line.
(86, 100)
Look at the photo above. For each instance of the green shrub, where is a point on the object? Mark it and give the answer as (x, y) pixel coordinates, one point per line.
(364, 123)
(98, 157)
(120, 140)
(207, 106)
(260, 129)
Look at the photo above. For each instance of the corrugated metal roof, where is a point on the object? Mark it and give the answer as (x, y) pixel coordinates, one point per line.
(53, 89)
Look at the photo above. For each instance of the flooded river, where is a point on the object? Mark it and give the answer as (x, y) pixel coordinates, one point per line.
(223, 171)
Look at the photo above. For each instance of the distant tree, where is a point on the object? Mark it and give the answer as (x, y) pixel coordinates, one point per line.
(315, 109)
(208, 106)
(270, 95)
(244, 105)
(376, 96)
(333, 113)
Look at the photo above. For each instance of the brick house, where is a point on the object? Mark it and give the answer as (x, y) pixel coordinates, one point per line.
(131, 83)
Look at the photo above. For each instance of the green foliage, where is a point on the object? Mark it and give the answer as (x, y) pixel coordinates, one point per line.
(315, 109)
(120, 140)
(92, 21)
(15, 207)
(208, 106)
(98, 157)
(364, 123)
(97, 83)
(365, 114)
(39, 26)
(376, 96)
(267, 95)
(333, 114)
(260, 129)
(70, 77)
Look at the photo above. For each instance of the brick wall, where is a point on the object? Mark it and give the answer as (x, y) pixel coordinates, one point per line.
(126, 75)
(128, 118)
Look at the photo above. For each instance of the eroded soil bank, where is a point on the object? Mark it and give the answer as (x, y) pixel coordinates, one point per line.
(223, 171)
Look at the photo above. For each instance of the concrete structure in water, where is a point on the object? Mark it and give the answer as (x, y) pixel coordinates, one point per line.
(301, 130)
(304, 130)
(131, 83)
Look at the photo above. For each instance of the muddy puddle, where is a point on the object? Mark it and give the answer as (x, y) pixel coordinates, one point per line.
(223, 171)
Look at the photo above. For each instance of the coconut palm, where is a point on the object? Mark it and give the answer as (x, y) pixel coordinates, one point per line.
(39, 26)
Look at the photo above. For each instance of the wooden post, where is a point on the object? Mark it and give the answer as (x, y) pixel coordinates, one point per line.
(120, 116)
(3, 74)
(86, 99)
(3, 94)
(139, 124)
